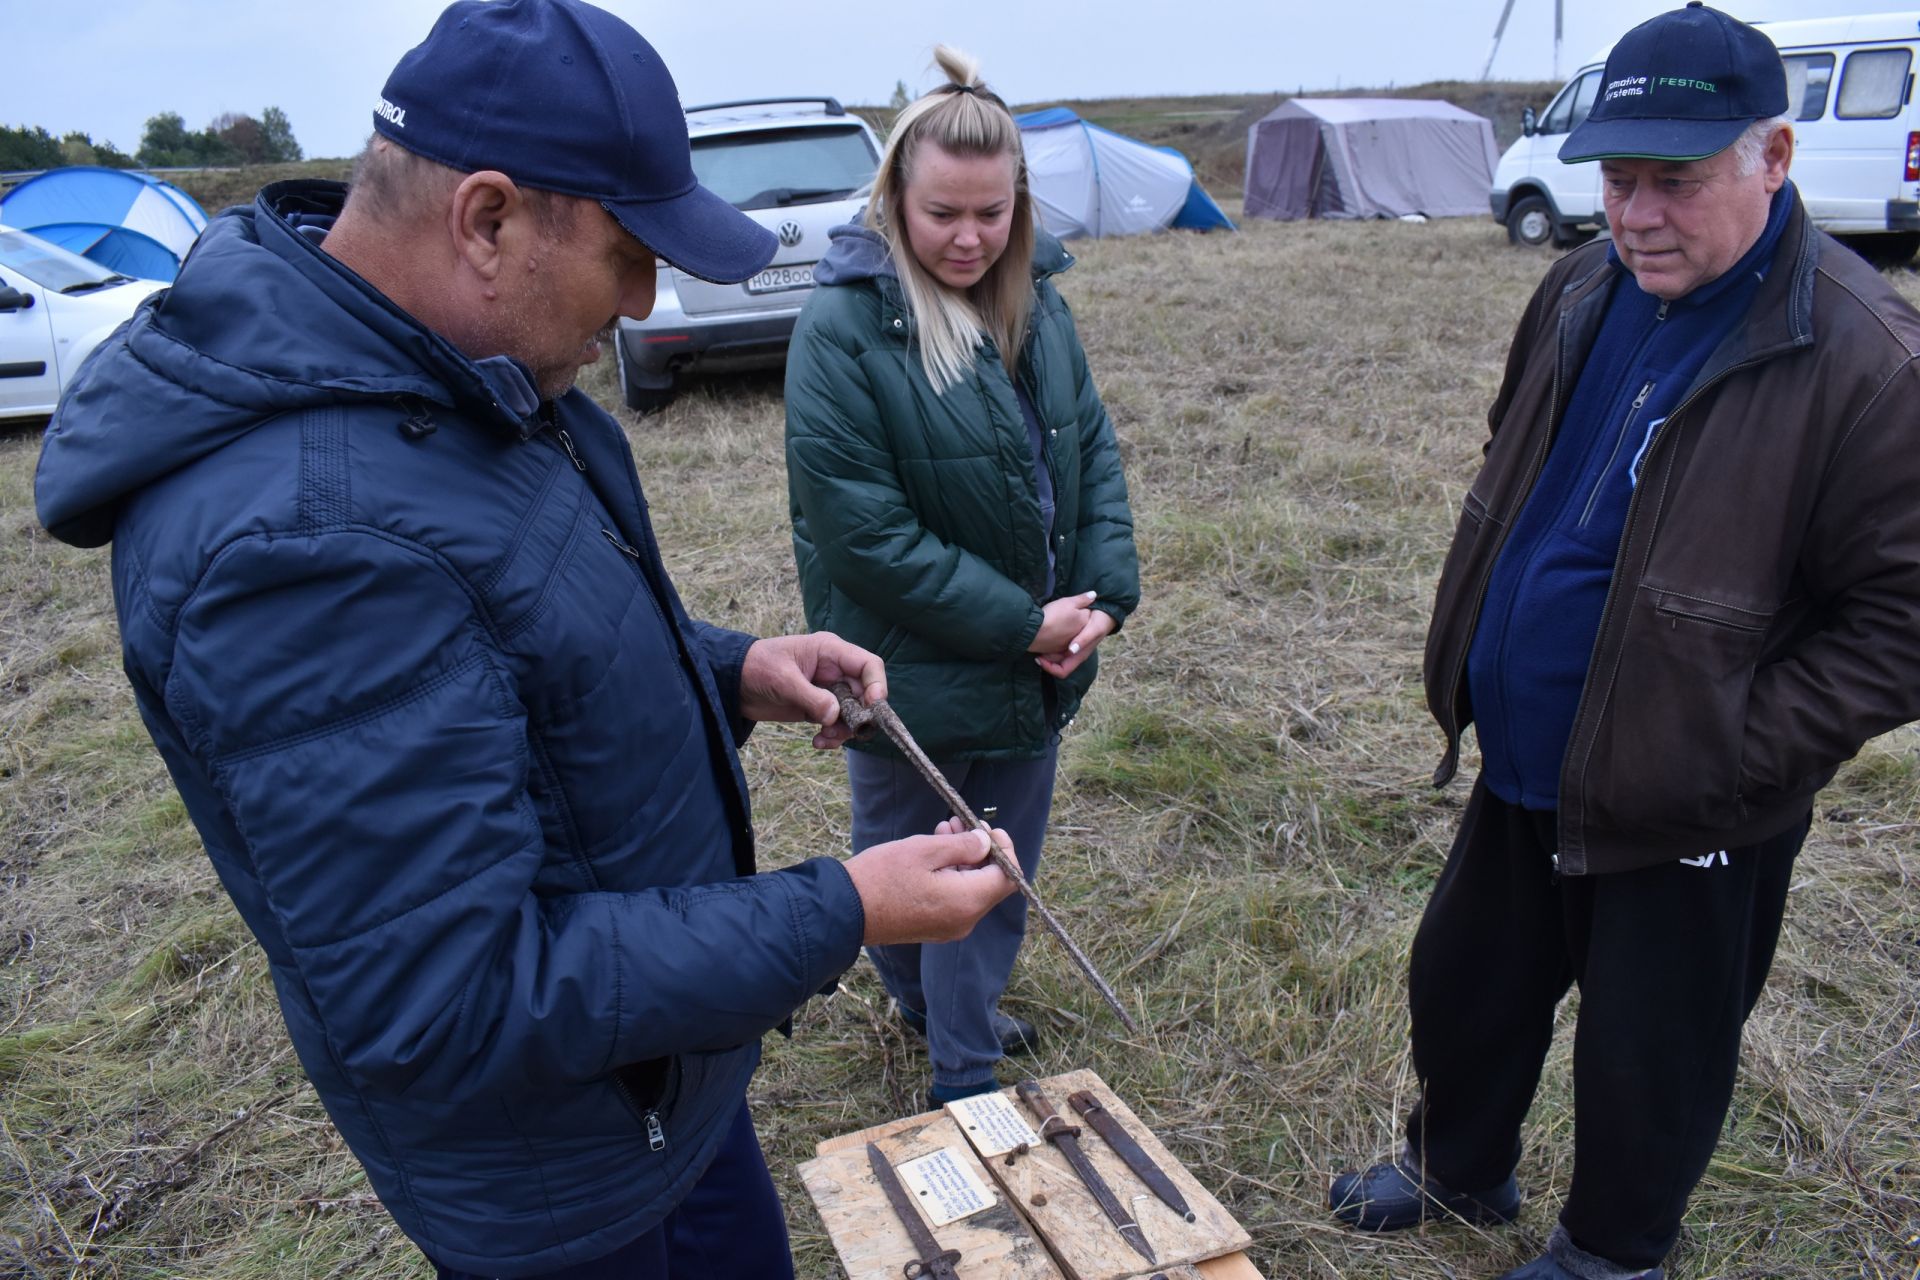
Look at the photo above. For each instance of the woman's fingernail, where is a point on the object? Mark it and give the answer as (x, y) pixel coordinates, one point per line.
(986, 842)
(1073, 647)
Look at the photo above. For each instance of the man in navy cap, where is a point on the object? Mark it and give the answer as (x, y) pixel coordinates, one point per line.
(1684, 589)
(394, 615)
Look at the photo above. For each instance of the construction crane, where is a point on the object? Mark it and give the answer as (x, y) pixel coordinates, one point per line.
(1500, 29)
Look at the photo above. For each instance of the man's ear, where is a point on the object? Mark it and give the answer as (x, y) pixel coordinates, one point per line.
(481, 207)
(1778, 157)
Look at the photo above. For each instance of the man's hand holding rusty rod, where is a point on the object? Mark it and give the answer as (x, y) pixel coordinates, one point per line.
(931, 888)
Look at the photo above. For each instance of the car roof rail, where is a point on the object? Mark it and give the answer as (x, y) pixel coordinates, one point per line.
(832, 104)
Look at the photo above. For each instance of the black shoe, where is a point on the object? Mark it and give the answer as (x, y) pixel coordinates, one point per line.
(1565, 1260)
(1017, 1035)
(1389, 1197)
(939, 1095)
(1545, 1267)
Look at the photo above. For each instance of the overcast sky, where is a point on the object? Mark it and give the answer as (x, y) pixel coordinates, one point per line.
(104, 67)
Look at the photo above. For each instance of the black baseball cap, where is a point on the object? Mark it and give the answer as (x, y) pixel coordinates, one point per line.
(566, 97)
(1681, 86)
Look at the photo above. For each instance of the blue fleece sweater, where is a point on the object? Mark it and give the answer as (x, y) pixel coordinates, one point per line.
(1528, 663)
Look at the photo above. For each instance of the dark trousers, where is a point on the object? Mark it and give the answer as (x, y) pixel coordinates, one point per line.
(730, 1227)
(1670, 960)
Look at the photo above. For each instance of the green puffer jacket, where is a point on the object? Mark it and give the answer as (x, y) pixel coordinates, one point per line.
(916, 518)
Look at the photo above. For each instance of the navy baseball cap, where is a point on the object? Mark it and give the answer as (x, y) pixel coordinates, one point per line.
(1681, 86)
(565, 97)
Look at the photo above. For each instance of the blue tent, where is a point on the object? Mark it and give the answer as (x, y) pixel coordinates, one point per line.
(131, 222)
(1089, 181)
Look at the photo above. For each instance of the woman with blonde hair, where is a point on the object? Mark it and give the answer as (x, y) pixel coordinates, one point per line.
(958, 508)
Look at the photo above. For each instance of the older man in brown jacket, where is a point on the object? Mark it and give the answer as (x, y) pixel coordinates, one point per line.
(1684, 589)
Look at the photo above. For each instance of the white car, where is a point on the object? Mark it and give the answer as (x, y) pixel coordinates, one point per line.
(55, 308)
(797, 166)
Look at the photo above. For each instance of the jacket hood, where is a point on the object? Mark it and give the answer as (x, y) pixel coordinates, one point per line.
(857, 252)
(259, 323)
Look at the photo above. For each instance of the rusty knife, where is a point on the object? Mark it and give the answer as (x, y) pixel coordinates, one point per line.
(933, 1260)
(1124, 1145)
(1066, 1137)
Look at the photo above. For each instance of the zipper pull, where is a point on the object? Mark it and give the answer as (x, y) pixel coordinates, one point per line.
(1662, 313)
(1642, 397)
(656, 1132)
(614, 538)
(566, 442)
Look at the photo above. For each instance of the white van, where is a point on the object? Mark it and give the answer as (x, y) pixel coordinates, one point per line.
(1857, 129)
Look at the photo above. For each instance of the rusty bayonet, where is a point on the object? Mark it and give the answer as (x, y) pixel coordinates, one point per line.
(1066, 1137)
(1124, 1145)
(863, 720)
(932, 1261)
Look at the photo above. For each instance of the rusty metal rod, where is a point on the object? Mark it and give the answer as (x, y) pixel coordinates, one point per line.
(863, 719)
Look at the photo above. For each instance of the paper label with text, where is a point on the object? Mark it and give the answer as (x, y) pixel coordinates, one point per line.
(947, 1184)
(992, 1124)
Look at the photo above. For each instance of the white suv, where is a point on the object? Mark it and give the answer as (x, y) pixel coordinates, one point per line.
(797, 166)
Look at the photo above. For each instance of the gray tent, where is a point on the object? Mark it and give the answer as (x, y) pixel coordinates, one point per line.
(1368, 158)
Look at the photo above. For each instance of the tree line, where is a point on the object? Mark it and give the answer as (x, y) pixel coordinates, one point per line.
(233, 138)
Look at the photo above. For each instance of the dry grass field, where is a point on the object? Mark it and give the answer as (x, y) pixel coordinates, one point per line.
(1243, 840)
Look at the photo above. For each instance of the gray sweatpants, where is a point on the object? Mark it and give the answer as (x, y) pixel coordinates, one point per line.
(956, 984)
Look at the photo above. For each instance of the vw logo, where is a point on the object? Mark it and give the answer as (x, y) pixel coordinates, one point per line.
(790, 234)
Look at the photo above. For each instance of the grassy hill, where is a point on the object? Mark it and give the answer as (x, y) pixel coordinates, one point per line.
(1209, 129)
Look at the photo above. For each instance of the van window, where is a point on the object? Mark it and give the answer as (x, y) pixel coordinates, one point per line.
(1583, 95)
(1874, 85)
(1808, 77)
(1571, 107)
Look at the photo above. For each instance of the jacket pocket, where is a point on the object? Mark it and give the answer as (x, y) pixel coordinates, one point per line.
(651, 1085)
(1669, 755)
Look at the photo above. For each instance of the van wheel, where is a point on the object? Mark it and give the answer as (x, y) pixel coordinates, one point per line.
(1530, 223)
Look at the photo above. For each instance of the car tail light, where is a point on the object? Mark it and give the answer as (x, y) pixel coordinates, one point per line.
(1913, 157)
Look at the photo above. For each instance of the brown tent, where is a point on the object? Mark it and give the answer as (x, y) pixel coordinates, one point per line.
(1368, 158)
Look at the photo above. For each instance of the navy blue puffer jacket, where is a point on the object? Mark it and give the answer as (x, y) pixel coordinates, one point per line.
(464, 764)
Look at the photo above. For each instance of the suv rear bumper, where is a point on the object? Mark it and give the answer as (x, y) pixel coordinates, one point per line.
(1903, 215)
(671, 344)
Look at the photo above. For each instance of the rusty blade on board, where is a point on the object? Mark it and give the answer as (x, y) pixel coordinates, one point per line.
(933, 1260)
(1108, 1126)
(1066, 1137)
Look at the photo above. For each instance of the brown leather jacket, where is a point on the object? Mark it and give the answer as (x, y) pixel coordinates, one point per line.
(1764, 616)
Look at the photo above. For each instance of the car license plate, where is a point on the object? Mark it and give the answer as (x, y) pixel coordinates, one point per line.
(780, 279)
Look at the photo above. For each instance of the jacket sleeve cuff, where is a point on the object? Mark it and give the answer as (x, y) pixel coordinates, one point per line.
(830, 919)
(725, 653)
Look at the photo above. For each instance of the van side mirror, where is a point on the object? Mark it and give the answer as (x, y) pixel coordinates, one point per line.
(12, 299)
(1529, 125)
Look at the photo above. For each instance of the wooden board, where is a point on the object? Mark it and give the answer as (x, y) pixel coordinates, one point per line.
(1046, 1188)
(1211, 1248)
(872, 1243)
